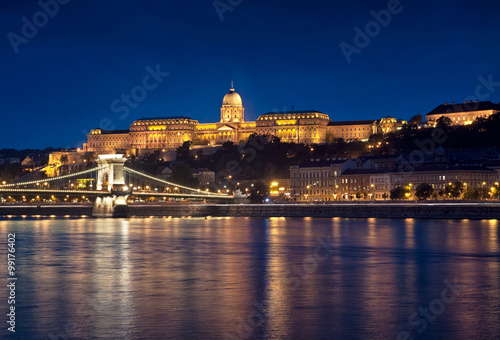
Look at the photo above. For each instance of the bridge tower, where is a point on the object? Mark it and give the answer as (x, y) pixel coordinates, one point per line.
(112, 173)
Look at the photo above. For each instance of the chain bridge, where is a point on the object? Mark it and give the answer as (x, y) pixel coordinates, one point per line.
(110, 177)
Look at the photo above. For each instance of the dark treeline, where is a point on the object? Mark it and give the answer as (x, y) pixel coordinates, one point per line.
(9, 152)
(481, 134)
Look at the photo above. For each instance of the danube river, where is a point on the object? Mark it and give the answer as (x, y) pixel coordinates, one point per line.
(250, 278)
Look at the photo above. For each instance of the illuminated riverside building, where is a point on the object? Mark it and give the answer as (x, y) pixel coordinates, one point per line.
(345, 180)
(158, 133)
(464, 113)
(316, 180)
(438, 176)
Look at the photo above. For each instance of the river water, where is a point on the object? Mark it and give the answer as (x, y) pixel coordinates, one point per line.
(250, 278)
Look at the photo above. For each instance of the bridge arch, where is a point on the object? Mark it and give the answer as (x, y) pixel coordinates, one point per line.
(111, 171)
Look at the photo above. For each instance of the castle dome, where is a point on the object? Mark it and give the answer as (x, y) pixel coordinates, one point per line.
(232, 98)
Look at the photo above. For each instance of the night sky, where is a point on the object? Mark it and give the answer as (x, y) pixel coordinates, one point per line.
(64, 78)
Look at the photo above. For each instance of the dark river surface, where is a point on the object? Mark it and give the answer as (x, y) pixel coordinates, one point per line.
(250, 278)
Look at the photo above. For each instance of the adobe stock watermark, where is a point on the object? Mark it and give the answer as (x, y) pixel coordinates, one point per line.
(139, 93)
(435, 308)
(372, 29)
(248, 153)
(417, 157)
(246, 326)
(130, 100)
(222, 7)
(484, 90)
(30, 28)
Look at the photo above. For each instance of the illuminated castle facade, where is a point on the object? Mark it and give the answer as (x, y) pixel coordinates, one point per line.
(149, 134)
(463, 114)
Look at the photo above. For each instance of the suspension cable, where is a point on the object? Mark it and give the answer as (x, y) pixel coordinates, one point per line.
(170, 183)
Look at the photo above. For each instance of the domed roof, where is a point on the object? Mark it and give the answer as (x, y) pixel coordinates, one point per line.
(232, 98)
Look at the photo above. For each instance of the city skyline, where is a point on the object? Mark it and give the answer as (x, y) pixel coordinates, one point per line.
(70, 75)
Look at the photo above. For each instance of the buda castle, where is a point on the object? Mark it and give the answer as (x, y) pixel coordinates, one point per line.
(163, 133)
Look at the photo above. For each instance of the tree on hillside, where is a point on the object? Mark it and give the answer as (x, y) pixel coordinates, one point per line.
(376, 138)
(183, 151)
(89, 158)
(10, 173)
(443, 122)
(424, 191)
(183, 175)
(329, 138)
(416, 120)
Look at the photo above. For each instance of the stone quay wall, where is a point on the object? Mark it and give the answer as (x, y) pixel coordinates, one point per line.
(358, 210)
(46, 210)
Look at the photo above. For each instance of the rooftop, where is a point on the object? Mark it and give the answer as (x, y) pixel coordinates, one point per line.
(464, 107)
(318, 163)
(113, 132)
(352, 122)
(166, 118)
(425, 167)
(291, 112)
(365, 171)
(431, 166)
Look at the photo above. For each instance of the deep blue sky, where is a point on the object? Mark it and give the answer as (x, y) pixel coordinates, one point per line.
(279, 54)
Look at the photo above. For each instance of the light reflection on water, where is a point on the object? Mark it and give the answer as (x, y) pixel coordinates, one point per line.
(207, 278)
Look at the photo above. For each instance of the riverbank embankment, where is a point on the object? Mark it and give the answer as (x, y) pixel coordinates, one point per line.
(453, 210)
